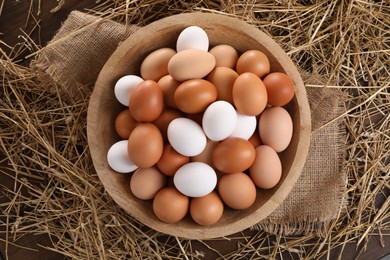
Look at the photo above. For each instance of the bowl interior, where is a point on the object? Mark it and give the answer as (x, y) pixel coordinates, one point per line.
(127, 59)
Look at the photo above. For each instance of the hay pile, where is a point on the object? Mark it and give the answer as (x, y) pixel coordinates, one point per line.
(44, 146)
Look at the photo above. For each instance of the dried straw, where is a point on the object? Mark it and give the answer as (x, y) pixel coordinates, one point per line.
(55, 192)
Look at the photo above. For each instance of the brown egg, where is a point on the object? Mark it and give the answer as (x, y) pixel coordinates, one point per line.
(280, 88)
(237, 190)
(155, 65)
(255, 139)
(170, 206)
(191, 64)
(194, 95)
(198, 117)
(171, 161)
(249, 94)
(253, 61)
(225, 56)
(206, 210)
(146, 101)
(168, 86)
(146, 182)
(165, 118)
(145, 145)
(206, 155)
(276, 128)
(233, 155)
(266, 170)
(124, 124)
(223, 79)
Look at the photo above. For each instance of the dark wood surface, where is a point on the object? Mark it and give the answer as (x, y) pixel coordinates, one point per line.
(12, 18)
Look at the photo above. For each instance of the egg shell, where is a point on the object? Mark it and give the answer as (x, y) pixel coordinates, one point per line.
(146, 182)
(245, 127)
(233, 155)
(206, 155)
(186, 136)
(168, 86)
(192, 37)
(171, 161)
(124, 86)
(191, 64)
(170, 206)
(206, 210)
(225, 56)
(155, 65)
(219, 120)
(280, 88)
(266, 170)
(249, 94)
(195, 179)
(237, 190)
(194, 95)
(255, 139)
(145, 145)
(124, 124)
(253, 61)
(165, 119)
(276, 128)
(146, 101)
(223, 79)
(118, 158)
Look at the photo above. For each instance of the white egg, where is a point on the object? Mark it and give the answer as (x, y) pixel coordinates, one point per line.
(245, 127)
(192, 37)
(186, 136)
(124, 86)
(219, 120)
(195, 179)
(118, 158)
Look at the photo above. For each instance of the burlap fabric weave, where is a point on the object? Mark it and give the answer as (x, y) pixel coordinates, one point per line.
(75, 56)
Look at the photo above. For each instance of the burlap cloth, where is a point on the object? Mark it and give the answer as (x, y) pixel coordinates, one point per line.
(75, 56)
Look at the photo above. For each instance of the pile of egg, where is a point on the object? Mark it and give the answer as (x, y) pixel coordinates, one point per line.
(203, 128)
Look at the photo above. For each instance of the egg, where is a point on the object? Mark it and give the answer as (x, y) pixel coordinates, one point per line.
(186, 136)
(237, 190)
(168, 86)
(233, 155)
(165, 118)
(206, 155)
(245, 127)
(155, 65)
(266, 170)
(192, 37)
(276, 128)
(219, 120)
(195, 179)
(253, 61)
(146, 101)
(145, 145)
(225, 56)
(171, 161)
(223, 79)
(206, 210)
(118, 158)
(146, 182)
(124, 124)
(255, 139)
(170, 206)
(124, 86)
(194, 95)
(280, 88)
(191, 64)
(249, 94)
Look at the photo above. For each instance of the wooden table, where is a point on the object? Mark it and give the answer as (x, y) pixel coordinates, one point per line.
(12, 18)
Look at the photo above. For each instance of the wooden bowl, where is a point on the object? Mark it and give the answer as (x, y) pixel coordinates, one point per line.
(103, 108)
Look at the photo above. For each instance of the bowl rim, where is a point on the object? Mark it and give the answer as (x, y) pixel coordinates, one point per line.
(304, 134)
